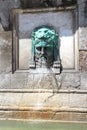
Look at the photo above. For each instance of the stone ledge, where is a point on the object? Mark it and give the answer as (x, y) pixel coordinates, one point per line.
(43, 91)
(64, 105)
(45, 115)
(45, 9)
(44, 101)
(44, 109)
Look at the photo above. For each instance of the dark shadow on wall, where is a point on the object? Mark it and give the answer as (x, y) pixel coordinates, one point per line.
(46, 3)
(69, 2)
(8, 26)
(5, 13)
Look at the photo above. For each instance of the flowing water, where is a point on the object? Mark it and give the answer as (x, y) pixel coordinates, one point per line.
(45, 80)
(38, 125)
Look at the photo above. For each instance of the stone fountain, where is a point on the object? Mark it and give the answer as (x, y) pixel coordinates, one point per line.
(45, 48)
(43, 80)
(45, 58)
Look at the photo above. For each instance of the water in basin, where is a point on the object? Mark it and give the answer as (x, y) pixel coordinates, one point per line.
(41, 125)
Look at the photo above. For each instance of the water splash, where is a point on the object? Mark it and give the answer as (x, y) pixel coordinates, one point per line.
(55, 79)
(46, 80)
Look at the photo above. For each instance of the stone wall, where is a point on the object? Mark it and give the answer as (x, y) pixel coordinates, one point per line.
(6, 48)
(6, 39)
(22, 82)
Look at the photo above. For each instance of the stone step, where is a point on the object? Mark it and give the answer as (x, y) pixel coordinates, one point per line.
(62, 105)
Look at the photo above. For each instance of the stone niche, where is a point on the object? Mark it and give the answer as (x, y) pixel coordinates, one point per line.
(65, 24)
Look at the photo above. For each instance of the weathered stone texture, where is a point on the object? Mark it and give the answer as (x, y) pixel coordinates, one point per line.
(84, 80)
(25, 88)
(83, 38)
(79, 100)
(29, 81)
(1, 28)
(44, 115)
(18, 81)
(5, 11)
(82, 13)
(5, 81)
(83, 60)
(5, 52)
(26, 81)
(42, 81)
(69, 80)
(58, 106)
(33, 81)
(58, 101)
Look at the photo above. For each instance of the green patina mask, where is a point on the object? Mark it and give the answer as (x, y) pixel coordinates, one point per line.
(44, 46)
